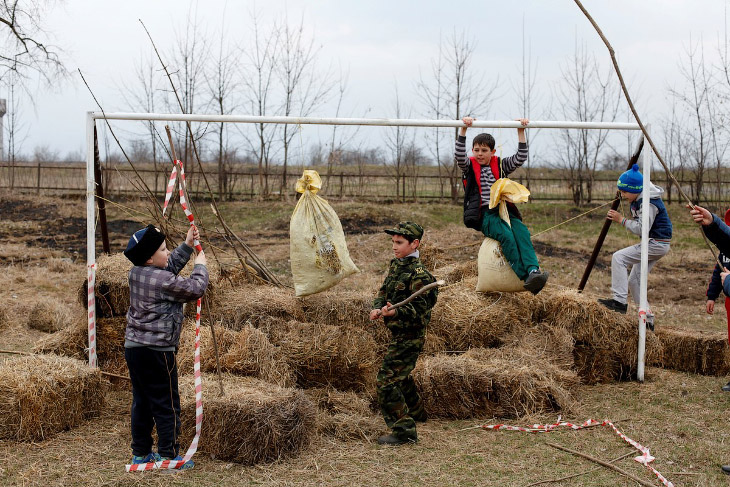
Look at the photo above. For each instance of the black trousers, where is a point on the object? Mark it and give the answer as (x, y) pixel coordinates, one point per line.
(155, 401)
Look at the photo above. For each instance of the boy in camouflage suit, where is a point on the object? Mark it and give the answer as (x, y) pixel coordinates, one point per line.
(397, 395)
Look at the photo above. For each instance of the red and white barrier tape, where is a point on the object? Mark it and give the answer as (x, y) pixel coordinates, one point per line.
(645, 458)
(92, 315)
(173, 464)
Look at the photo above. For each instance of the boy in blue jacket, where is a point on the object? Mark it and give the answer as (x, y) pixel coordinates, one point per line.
(154, 320)
(630, 185)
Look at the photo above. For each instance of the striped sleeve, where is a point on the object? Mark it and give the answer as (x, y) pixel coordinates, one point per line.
(460, 153)
(509, 164)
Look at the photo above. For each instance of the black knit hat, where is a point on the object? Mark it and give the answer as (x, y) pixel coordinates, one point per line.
(143, 244)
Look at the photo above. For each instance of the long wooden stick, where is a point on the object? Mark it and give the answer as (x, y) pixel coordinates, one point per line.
(606, 226)
(413, 296)
(550, 481)
(605, 464)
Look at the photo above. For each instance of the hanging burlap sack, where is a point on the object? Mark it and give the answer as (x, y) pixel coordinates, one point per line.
(319, 256)
(495, 273)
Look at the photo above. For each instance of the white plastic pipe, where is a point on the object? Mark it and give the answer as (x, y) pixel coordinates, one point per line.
(643, 302)
(386, 122)
(90, 225)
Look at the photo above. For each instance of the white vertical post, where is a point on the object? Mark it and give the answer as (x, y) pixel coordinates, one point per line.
(90, 235)
(643, 302)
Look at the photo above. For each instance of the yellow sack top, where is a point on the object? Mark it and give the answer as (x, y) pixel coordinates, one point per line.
(310, 181)
(504, 191)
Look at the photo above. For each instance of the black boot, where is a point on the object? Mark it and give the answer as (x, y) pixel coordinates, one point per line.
(614, 305)
(536, 281)
(726, 387)
(726, 469)
(422, 417)
(393, 440)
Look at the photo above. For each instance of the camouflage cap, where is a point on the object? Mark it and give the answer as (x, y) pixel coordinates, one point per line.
(407, 229)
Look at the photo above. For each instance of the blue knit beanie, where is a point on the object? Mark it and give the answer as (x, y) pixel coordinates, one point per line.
(631, 181)
(143, 244)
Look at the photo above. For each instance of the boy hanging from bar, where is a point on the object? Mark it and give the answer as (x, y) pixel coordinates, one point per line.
(480, 172)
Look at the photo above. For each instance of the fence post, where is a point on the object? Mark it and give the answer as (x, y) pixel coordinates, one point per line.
(38, 180)
(341, 184)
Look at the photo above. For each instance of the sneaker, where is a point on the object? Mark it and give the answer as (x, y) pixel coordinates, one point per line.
(726, 469)
(614, 305)
(149, 458)
(184, 466)
(394, 440)
(726, 387)
(536, 281)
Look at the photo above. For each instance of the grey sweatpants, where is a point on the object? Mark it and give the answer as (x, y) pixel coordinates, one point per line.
(630, 257)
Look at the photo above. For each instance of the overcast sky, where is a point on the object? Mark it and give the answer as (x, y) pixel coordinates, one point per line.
(381, 43)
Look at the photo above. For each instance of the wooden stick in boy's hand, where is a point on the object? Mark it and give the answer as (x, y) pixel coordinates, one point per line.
(391, 307)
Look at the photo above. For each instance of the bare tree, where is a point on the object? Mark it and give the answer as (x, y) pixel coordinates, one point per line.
(222, 84)
(13, 127)
(305, 85)
(23, 49)
(258, 77)
(458, 89)
(585, 94)
(397, 140)
(694, 103)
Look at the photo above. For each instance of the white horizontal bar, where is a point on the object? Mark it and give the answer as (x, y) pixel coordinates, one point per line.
(507, 124)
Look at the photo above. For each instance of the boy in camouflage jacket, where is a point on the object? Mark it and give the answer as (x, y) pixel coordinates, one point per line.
(397, 395)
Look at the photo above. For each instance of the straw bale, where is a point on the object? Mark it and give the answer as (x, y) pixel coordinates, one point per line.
(73, 341)
(252, 354)
(339, 308)
(340, 356)
(252, 305)
(552, 343)
(186, 350)
(254, 422)
(457, 272)
(432, 256)
(48, 315)
(344, 415)
(434, 344)
(466, 319)
(493, 382)
(41, 395)
(693, 351)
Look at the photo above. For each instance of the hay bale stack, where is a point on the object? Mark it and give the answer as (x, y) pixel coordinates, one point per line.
(112, 285)
(493, 382)
(48, 315)
(344, 415)
(698, 352)
(606, 342)
(252, 354)
(253, 422)
(434, 344)
(323, 355)
(186, 350)
(252, 305)
(41, 395)
(466, 319)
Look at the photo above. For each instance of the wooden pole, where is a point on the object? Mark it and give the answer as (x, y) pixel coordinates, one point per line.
(606, 225)
(99, 193)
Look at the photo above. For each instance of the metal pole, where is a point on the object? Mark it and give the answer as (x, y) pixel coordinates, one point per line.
(384, 122)
(90, 232)
(643, 304)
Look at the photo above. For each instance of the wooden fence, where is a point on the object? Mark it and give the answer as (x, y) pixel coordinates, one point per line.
(372, 184)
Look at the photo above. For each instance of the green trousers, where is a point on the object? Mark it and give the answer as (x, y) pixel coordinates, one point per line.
(515, 241)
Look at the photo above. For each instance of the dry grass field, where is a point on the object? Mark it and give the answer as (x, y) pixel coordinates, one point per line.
(682, 417)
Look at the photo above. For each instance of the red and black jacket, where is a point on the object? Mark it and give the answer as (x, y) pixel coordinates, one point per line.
(473, 210)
